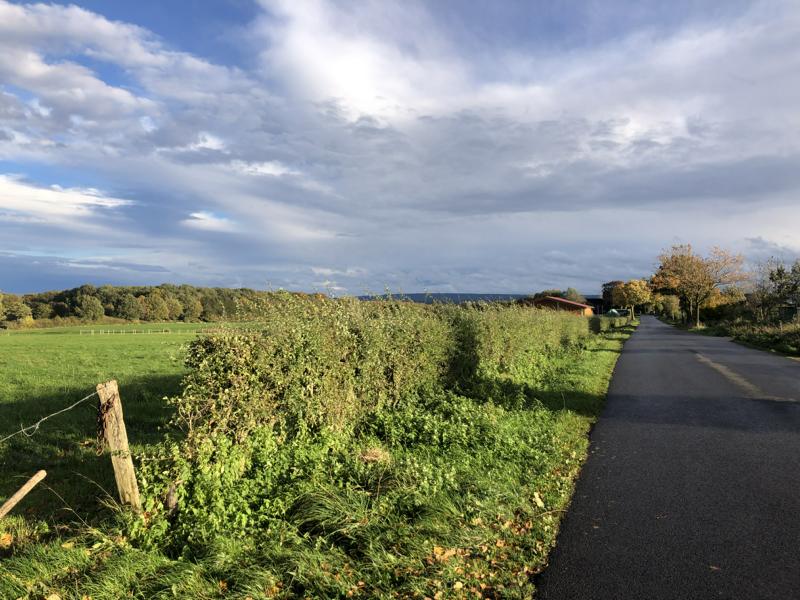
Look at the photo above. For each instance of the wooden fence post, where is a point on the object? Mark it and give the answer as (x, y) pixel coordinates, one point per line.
(21, 493)
(116, 437)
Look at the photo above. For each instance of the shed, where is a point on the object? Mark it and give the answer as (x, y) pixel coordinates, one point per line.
(556, 303)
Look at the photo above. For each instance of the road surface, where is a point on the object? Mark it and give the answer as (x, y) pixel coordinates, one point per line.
(692, 485)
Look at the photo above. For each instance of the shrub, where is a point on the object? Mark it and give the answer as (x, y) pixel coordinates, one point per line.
(349, 434)
(783, 337)
(600, 324)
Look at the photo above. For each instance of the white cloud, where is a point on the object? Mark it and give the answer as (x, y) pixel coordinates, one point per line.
(270, 168)
(208, 221)
(54, 204)
(348, 272)
(370, 134)
(207, 141)
(353, 55)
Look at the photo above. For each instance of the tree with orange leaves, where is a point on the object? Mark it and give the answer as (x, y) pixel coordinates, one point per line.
(695, 278)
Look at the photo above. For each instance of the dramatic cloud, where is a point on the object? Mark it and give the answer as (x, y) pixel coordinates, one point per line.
(419, 146)
(71, 207)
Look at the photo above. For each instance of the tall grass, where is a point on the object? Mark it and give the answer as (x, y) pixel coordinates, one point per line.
(783, 337)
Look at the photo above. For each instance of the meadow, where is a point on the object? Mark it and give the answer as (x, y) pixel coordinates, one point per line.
(337, 450)
(44, 370)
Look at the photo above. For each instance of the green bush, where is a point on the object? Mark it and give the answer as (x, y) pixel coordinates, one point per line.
(784, 337)
(349, 438)
(601, 324)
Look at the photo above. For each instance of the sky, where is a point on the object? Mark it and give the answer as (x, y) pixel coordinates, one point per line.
(357, 147)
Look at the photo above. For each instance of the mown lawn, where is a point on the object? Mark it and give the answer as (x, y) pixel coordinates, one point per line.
(63, 543)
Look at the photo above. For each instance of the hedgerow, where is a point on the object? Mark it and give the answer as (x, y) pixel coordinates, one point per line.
(372, 449)
(601, 324)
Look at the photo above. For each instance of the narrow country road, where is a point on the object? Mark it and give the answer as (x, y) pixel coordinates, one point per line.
(692, 485)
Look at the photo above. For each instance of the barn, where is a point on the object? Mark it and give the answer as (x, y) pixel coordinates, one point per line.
(556, 303)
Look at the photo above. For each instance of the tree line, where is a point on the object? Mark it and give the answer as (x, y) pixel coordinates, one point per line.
(164, 302)
(688, 286)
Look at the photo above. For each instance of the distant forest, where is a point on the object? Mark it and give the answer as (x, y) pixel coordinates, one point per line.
(164, 302)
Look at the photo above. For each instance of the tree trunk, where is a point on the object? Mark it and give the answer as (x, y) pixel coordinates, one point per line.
(697, 323)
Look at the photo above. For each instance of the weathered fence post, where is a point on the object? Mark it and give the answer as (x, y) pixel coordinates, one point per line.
(21, 493)
(113, 427)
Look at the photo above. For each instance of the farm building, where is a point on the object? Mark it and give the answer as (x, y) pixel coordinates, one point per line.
(556, 303)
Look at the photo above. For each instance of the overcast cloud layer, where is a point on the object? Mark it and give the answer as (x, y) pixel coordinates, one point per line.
(357, 146)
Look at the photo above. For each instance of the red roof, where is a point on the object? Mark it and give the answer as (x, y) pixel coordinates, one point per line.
(562, 301)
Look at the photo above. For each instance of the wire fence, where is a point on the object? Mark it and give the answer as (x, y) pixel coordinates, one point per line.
(30, 430)
(111, 434)
(132, 331)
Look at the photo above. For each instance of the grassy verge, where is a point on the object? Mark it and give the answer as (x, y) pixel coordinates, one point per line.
(783, 338)
(456, 491)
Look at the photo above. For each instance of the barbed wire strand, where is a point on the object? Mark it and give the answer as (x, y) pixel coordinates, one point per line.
(35, 427)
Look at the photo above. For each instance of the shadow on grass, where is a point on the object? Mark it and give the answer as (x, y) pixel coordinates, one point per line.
(66, 447)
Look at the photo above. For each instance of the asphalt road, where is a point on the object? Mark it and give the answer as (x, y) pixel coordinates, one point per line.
(692, 485)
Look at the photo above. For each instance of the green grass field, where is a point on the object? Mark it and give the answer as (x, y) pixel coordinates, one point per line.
(42, 371)
(64, 542)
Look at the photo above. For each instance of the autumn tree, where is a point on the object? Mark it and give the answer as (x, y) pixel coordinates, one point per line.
(608, 292)
(786, 282)
(632, 294)
(174, 308)
(153, 307)
(89, 308)
(569, 294)
(128, 307)
(552, 293)
(694, 278)
(572, 294)
(192, 310)
(16, 309)
(671, 307)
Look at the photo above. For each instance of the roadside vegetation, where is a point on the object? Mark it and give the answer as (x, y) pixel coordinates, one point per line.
(716, 296)
(338, 449)
(781, 337)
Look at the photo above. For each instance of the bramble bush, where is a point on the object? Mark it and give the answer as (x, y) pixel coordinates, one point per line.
(345, 446)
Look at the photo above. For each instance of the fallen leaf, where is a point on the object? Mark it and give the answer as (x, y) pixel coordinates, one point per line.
(6, 540)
